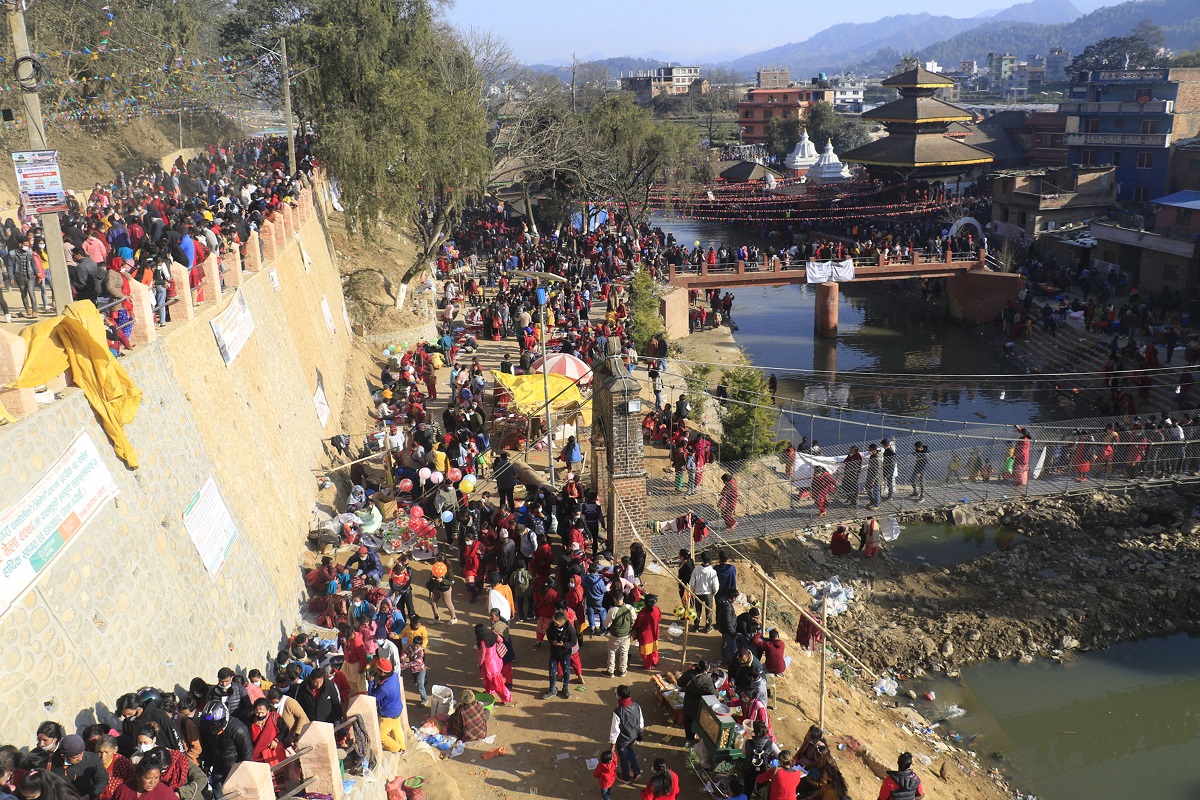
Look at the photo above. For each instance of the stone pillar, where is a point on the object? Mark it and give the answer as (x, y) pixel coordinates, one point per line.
(252, 779)
(183, 309)
(142, 299)
(232, 261)
(281, 238)
(289, 223)
(253, 260)
(364, 706)
(19, 402)
(211, 282)
(827, 309)
(599, 478)
(322, 762)
(266, 236)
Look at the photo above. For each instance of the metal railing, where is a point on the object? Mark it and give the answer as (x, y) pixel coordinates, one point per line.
(295, 790)
(963, 466)
(346, 723)
(303, 751)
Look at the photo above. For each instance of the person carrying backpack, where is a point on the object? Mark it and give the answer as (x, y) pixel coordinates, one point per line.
(760, 752)
(520, 581)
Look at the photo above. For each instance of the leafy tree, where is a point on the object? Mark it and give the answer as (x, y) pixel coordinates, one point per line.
(631, 153)
(1121, 52)
(395, 97)
(1188, 59)
(644, 317)
(825, 123)
(747, 428)
(782, 136)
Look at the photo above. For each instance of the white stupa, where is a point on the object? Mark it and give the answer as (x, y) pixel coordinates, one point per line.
(828, 168)
(803, 156)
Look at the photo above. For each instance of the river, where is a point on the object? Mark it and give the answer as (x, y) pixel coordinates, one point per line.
(878, 332)
(1118, 723)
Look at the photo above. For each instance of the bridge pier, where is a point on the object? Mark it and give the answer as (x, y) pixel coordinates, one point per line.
(827, 310)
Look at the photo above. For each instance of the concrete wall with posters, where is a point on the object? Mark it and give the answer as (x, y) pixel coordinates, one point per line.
(128, 601)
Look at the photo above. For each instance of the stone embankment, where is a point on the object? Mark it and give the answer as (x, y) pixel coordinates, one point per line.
(1083, 573)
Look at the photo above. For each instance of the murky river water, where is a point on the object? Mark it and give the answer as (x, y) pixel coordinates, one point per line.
(1116, 724)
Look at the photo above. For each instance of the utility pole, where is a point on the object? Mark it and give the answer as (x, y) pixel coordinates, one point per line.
(181, 127)
(27, 77)
(293, 168)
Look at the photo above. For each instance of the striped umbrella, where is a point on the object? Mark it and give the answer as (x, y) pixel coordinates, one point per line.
(567, 365)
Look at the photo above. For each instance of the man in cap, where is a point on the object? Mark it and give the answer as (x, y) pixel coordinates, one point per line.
(82, 768)
(389, 699)
(366, 562)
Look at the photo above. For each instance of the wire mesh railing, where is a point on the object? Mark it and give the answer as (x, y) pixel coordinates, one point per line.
(983, 463)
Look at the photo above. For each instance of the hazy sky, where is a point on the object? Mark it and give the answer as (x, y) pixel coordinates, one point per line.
(544, 31)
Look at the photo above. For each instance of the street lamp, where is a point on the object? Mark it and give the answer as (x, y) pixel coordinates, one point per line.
(542, 297)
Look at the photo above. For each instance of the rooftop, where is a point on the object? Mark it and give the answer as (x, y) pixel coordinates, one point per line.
(917, 109)
(917, 77)
(1185, 199)
(918, 151)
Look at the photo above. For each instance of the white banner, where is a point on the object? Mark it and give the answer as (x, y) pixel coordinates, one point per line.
(210, 525)
(321, 403)
(38, 527)
(328, 318)
(826, 271)
(233, 328)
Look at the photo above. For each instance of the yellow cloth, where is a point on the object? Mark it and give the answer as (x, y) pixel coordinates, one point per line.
(76, 341)
(529, 394)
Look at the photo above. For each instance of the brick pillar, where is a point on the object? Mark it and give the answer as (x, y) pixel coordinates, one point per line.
(253, 260)
(288, 224)
(142, 299)
(322, 763)
(252, 779)
(599, 475)
(19, 402)
(184, 309)
(211, 283)
(628, 504)
(266, 235)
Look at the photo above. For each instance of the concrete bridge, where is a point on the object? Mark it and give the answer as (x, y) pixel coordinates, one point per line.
(976, 293)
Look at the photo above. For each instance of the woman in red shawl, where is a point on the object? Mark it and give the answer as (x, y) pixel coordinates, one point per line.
(645, 627)
(268, 733)
(823, 485)
(1082, 459)
(728, 500)
(1021, 457)
(544, 603)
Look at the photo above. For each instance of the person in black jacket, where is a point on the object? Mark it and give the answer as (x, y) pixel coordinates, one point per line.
(727, 624)
(224, 742)
(696, 682)
(562, 637)
(319, 698)
(83, 769)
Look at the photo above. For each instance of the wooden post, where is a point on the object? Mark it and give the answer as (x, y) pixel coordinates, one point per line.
(824, 653)
(687, 605)
(766, 586)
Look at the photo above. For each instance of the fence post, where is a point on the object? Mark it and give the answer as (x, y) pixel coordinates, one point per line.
(252, 779)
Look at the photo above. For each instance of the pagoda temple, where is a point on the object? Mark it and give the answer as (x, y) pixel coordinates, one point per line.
(916, 146)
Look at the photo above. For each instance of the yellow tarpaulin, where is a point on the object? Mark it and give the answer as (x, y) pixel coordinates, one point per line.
(529, 394)
(76, 340)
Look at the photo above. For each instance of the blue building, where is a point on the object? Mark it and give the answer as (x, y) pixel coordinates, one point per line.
(1129, 118)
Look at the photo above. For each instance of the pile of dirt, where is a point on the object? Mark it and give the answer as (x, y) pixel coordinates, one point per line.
(1084, 573)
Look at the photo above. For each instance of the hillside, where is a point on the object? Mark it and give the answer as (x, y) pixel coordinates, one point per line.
(837, 46)
(613, 67)
(1179, 20)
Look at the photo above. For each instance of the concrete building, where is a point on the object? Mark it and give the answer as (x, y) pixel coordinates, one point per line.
(1185, 166)
(773, 78)
(763, 105)
(968, 67)
(1027, 203)
(1057, 62)
(1167, 257)
(1000, 67)
(1128, 118)
(1044, 138)
(848, 94)
(668, 80)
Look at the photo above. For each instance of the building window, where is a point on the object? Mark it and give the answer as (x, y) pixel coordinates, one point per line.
(749, 114)
(1119, 124)
(1116, 158)
(1145, 160)
(1093, 126)
(1150, 126)
(1141, 194)
(1143, 95)
(1183, 216)
(768, 114)
(749, 130)
(1088, 158)
(1022, 219)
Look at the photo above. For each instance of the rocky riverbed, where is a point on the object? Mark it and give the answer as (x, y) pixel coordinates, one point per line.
(1085, 572)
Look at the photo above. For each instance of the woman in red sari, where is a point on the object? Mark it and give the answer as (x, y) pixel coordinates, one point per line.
(645, 627)
(268, 733)
(1082, 459)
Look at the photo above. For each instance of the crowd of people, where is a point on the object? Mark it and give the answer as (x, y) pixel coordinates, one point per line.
(134, 227)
